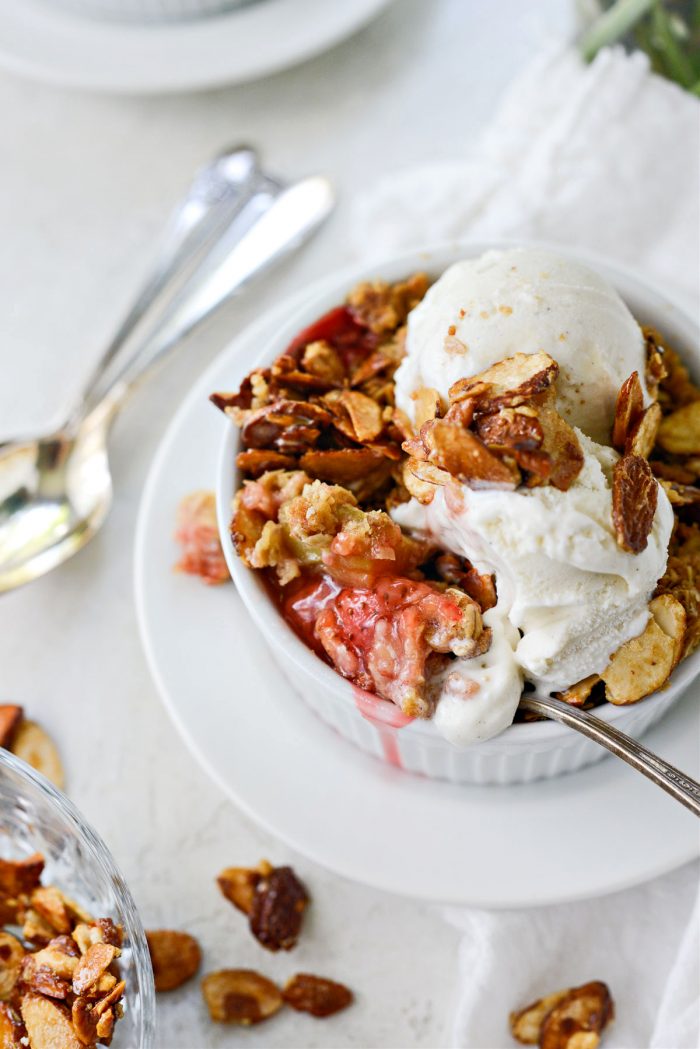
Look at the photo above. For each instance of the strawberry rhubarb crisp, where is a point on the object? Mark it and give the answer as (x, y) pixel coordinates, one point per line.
(461, 490)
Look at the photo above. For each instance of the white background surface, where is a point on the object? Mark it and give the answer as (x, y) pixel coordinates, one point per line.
(85, 184)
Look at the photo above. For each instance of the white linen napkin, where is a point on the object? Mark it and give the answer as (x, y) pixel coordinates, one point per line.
(603, 157)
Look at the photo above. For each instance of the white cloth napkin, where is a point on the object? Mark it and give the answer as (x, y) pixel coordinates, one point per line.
(603, 157)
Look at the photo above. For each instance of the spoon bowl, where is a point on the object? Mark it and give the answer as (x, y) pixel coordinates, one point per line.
(55, 492)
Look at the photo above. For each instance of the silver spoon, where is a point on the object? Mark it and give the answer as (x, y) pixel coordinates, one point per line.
(681, 787)
(56, 489)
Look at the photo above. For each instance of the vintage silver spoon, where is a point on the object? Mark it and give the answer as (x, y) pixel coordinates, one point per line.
(56, 489)
(681, 787)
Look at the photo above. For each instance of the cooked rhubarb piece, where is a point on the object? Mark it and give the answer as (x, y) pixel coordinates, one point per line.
(198, 535)
(383, 638)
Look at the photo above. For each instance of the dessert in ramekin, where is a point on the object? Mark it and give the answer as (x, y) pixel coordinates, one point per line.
(444, 486)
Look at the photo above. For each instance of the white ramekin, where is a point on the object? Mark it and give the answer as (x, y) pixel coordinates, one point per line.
(149, 10)
(524, 752)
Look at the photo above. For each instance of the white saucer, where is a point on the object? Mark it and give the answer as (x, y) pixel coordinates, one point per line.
(57, 46)
(584, 834)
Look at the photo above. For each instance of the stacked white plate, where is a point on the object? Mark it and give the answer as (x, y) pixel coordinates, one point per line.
(149, 10)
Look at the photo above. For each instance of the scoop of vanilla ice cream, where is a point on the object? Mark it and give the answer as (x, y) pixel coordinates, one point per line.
(523, 301)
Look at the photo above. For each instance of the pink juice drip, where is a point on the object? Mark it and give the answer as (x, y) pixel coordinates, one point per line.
(386, 717)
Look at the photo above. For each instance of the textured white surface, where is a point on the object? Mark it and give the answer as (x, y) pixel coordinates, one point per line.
(86, 183)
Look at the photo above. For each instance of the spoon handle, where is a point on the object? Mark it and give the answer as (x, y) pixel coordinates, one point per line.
(683, 788)
(217, 194)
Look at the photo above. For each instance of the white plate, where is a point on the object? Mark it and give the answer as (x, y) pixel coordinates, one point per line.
(584, 834)
(54, 45)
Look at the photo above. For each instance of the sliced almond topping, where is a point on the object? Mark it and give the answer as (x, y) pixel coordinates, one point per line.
(415, 485)
(642, 436)
(48, 1024)
(510, 381)
(175, 957)
(10, 717)
(577, 694)
(679, 432)
(33, 745)
(671, 617)
(341, 466)
(628, 410)
(365, 415)
(257, 461)
(562, 446)
(577, 1021)
(240, 996)
(465, 457)
(427, 473)
(427, 405)
(634, 497)
(681, 494)
(644, 664)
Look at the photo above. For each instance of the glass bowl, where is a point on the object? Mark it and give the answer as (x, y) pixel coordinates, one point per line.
(35, 817)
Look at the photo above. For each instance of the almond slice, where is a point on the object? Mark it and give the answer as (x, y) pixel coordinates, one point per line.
(642, 437)
(644, 664)
(679, 432)
(316, 995)
(628, 409)
(33, 745)
(577, 1021)
(634, 497)
(509, 382)
(427, 405)
(364, 413)
(526, 1023)
(92, 965)
(240, 996)
(48, 1024)
(463, 455)
(562, 446)
(670, 614)
(341, 466)
(577, 694)
(175, 957)
(238, 885)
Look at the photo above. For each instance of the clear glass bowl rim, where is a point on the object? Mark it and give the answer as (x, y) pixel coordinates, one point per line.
(102, 858)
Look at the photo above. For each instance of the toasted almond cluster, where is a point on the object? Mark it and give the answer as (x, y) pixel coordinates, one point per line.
(30, 742)
(326, 405)
(574, 1018)
(273, 898)
(60, 986)
(500, 430)
(286, 521)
